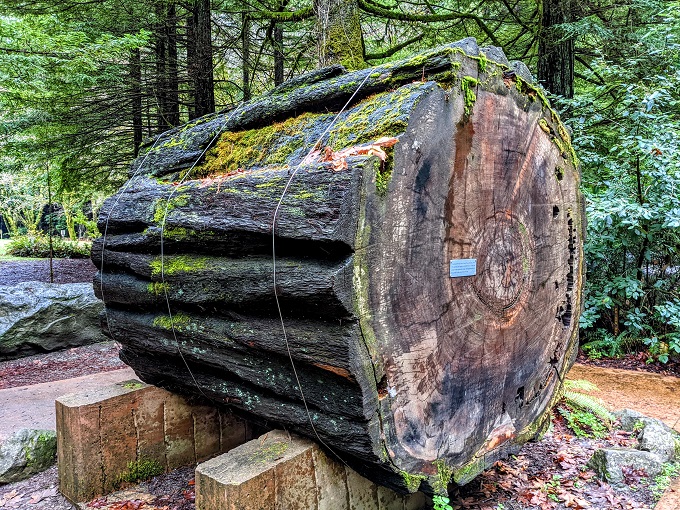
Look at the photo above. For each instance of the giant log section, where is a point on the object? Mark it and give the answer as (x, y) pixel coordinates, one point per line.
(413, 373)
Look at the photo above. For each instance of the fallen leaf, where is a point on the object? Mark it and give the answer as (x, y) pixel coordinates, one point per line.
(40, 495)
(386, 141)
(98, 503)
(327, 155)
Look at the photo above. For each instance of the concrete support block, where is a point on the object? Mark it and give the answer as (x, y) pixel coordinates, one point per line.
(279, 471)
(100, 432)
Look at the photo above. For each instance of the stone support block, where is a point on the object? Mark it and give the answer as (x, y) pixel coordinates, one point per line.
(102, 433)
(280, 471)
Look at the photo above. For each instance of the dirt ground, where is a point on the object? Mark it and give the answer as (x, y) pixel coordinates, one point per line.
(64, 271)
(58, 365)
(651, 394)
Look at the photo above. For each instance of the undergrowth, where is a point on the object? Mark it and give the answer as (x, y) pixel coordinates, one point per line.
(662, 481)
(584, 414)
(38, 246)
(603, 344)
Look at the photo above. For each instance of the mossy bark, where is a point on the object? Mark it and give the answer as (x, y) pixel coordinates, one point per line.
(339, 36)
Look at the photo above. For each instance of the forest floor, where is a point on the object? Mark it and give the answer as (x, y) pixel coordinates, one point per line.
(547, 474)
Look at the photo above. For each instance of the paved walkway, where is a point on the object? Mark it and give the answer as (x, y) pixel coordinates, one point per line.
(33, 406)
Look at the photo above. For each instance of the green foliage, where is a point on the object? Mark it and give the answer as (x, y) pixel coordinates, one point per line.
(671, 470)
(22, 199)
(139, 470)
(38, 246)
(62, 83)
(441, 502)
(627, 133)
(584, 414)
(602, 344)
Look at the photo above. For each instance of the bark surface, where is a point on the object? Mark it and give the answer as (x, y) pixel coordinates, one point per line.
(411, 375)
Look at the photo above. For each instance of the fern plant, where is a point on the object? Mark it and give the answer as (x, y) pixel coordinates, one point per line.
(584, 414)
(607, 345)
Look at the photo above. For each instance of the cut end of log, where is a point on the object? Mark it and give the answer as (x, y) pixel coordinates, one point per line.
(428, 263)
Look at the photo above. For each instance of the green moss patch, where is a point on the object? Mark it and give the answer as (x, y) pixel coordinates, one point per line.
(384, 114)
(164, 207)
(178, 322)
(139, 470)
(268, 145)
(412, 482)
(176, 264)
(270, 452)
(468, 85)
(444, 474)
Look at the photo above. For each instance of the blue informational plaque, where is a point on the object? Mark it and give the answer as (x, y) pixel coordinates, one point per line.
(462, 267)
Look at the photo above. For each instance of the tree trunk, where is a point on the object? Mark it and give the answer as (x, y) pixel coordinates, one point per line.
(161, 85)
(190, 27)
(245, 55)
(430, 300)
(173, 73)
(278, 54)
(136, 99)
(555, 55)
(339, 36)
(201, 67)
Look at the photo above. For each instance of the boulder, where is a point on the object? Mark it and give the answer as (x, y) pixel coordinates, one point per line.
(656, 437)
(25, 453)
(609, 463)
(40, 317)
(629, 418)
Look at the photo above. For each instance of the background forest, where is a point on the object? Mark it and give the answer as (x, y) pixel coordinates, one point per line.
(84, 82)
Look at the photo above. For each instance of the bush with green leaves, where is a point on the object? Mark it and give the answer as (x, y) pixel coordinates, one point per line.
(38, 246)
(627, 134)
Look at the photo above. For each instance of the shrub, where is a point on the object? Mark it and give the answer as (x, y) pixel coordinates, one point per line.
(38, 245)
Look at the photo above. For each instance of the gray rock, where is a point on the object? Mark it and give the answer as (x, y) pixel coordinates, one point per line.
(468, 45)
(522, 71)
(495, 54)
(628, 418)
(25, 453)
(40, 317)
(657, 437)
(609, 463)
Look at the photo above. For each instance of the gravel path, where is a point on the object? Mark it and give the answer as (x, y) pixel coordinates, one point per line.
(64, 270)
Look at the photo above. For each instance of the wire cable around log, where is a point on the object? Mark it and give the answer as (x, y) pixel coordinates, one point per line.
(276, 296)
(135, 174)
(165, 216)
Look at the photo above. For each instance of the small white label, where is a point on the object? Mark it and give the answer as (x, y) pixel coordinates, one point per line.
(463, 267)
